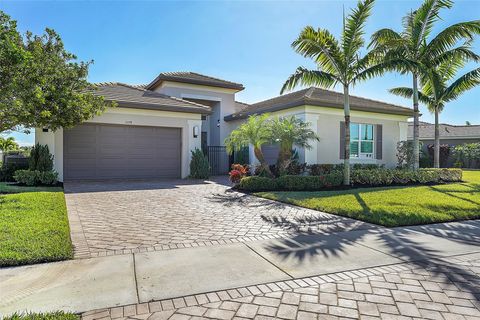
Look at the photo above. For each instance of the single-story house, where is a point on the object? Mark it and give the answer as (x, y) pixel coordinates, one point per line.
(449, 134)
(154, 128)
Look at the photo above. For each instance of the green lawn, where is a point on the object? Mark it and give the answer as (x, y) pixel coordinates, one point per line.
(395, 206)
(33, 226)
(14, 188)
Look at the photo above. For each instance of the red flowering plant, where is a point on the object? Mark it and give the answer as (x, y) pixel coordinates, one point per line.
(237, 173)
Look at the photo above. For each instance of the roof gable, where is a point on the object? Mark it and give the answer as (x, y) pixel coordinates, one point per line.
(135, 96)
(193, 78)
(322, 98)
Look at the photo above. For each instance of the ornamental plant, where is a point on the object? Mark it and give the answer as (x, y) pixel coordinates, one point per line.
(237, 173)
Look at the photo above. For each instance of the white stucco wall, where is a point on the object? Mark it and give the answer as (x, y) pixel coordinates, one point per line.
(225, 98)
(139, 117)
(326, 123)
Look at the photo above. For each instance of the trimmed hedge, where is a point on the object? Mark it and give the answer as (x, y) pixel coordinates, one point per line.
(291, 183)
(35, 177)
(359, 177)
(383, 177)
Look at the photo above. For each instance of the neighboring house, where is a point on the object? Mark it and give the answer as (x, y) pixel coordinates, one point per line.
(154, 128)
(449, 134)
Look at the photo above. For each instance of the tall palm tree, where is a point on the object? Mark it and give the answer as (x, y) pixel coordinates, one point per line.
(287, 132)
(338, 62)
(436, 93)
(413, 48)
(256, 132)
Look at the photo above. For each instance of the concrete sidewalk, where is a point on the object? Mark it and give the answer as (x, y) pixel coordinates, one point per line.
(87, 284)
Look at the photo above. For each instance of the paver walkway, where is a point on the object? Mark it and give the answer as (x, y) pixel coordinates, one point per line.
(447, 288)
(161, 284)
(130, 217)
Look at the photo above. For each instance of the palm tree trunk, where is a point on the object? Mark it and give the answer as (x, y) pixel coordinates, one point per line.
(259, 155)
(346, 161)
(436, 144)
(284, 159)
(416, 143)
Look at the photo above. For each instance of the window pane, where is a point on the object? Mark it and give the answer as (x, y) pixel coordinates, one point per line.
(367, 132)
(353, 149)
(366, 147)
(353, 131)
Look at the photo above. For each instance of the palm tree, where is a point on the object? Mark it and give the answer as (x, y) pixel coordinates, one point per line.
(287, 132)
(435, 93)
(417, 53)
(8, 144)
(256, 132)
(338, 62)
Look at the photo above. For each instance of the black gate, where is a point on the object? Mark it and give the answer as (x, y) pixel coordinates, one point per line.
(219, 160)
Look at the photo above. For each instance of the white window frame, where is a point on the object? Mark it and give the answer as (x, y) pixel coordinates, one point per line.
(363, 155)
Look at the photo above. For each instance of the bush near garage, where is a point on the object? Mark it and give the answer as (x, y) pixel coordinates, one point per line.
(36, 177)
(199, 166)
(40, 168)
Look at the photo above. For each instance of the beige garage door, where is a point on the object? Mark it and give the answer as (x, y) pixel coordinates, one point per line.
(98, 151)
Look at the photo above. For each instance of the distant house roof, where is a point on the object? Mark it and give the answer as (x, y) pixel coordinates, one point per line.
(136, 96)
(427, 131)
(194, 78)
(318, 97)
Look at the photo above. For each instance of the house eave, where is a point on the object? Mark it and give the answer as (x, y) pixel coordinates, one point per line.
(147, 106)
(316, 103)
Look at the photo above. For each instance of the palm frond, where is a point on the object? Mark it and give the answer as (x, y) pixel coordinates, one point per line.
(408, 93)
(383, 37)
(305, 77)
(448, 37)
(352, 36)
(424, 19)
(464, 83)
(400, 65)
(463, 53)
(321, 46)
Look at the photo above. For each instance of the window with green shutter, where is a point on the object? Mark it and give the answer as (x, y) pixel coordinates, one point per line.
(361, 141)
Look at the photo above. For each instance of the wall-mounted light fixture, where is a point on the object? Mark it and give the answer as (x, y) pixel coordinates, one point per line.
(218, 123)
(196, 131)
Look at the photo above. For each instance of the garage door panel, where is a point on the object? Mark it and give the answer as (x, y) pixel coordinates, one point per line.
(97, 151)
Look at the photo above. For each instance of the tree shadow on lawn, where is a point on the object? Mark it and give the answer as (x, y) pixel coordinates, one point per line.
(423, 247)
(453, 193)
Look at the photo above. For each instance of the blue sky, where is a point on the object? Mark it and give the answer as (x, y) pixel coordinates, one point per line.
(246, 42)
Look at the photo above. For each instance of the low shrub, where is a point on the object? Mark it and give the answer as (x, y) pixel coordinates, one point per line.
(359, 177)
(309, 183)
(367, 166)
(322, 169)
(291, 183)
(199, 166)
(8, 170)
(35, 177)
(257, 183)
(381, 177)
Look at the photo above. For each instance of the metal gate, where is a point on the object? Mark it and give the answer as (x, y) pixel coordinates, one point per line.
(218, 159)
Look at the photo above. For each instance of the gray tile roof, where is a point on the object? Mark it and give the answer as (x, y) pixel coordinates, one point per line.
(194, 78)
(427, 131)
(136, 96)
(319, 97)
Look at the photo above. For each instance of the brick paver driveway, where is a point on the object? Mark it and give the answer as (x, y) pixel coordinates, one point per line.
(123, 217)
(437, 289)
